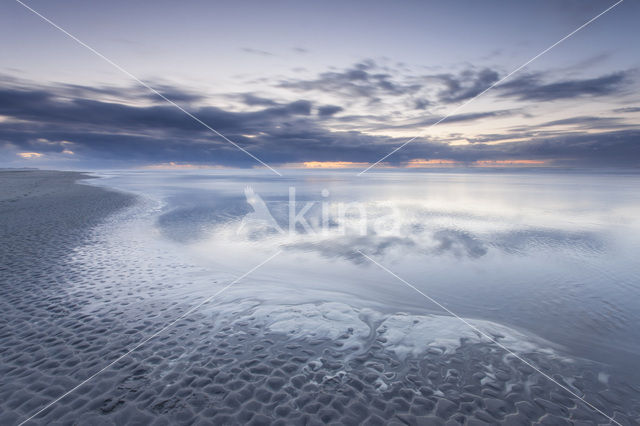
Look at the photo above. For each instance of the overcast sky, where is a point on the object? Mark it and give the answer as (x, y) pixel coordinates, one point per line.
(319, 82)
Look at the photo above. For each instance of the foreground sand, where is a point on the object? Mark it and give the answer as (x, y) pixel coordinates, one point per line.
(234, 363)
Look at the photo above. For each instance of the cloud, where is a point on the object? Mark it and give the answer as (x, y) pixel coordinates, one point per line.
(385, 92)
(28, 155)
(421, 104)
(466, 85)
(627, 109)
(54, 119)
(579, 120)
(455, 118)
(175, 94)
(329, 110)
(133, 93)
(616, 148)
(471, 82)
(259, 52)
(255, 100)
(531, 88)
(587, 122)
(364, 80)
(49, 107)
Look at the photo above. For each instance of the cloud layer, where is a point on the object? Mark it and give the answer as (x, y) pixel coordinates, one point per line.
(120, 125)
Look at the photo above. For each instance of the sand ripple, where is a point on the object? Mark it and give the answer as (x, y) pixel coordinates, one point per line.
(73, 304)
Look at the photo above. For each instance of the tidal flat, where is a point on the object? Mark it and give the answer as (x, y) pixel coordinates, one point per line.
(538, 268)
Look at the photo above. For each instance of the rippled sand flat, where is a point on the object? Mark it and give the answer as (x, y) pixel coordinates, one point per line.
(79, 288)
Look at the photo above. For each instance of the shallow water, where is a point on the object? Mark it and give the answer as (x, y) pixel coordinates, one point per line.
(162, 316)
(552, 255)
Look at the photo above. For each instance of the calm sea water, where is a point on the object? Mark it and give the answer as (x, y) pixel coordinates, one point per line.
(550, 254)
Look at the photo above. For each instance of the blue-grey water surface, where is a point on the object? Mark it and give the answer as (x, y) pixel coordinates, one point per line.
(549, 253)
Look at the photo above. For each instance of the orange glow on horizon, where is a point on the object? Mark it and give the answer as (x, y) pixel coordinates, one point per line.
(421, 162)
(411, 164)
(28, 155)
(487, 163)
(332, 164)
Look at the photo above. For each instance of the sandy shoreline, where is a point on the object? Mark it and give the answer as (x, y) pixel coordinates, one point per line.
(44, 215)
(233, 363)
(43, 212)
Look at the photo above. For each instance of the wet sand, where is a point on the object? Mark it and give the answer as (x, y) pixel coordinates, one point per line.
(44, 215)
(237, 361)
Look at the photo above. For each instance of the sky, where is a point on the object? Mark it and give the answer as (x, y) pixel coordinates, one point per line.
(319, 84)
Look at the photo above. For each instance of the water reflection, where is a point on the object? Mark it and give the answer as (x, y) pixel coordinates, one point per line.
(552, 253)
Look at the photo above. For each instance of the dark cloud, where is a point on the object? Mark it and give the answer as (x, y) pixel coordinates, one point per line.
(48, 107)
(531, 88)
(588, 122)
(392, 89)
(421, 104)
(134, 93)
(175, 94)
(52, 119)
(465, 85)
(254, 100)
(329, 110)
(374, 83)
(616, 148)
(627, 109)
(455, 118)
(136, 132)
(477, 115)
(365, 79)
(470, 83)
(578, 120)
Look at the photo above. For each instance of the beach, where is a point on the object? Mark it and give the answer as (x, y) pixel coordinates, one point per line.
(44, 216)
(427, 215)
(107, 302)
